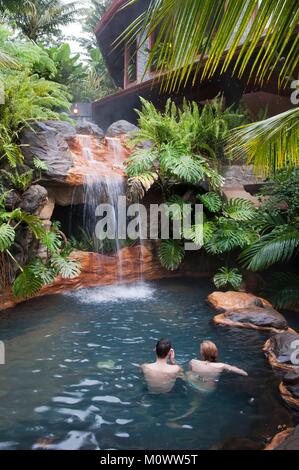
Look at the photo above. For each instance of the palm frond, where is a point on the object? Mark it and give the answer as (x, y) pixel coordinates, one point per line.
(278, 246)
(251, 37)
(271, 144)
(283, 290)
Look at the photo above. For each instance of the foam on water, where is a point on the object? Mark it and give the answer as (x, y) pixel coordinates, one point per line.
(115, 293)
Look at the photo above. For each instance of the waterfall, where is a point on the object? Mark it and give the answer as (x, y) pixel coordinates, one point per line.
(101, 166)
(102, 185)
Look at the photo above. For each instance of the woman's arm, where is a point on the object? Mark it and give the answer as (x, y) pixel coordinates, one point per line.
(234, 369)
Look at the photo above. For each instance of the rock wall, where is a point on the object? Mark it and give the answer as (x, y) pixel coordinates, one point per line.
(138, 263)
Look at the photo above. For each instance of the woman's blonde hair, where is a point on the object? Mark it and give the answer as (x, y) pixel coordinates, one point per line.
(209, 351)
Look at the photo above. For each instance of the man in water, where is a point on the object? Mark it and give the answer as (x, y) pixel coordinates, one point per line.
(209, 369)
(162, 374)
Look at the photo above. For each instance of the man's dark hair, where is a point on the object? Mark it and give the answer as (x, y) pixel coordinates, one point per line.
(163, 347)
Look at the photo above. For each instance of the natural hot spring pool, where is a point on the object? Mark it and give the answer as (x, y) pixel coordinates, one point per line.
(55, 390)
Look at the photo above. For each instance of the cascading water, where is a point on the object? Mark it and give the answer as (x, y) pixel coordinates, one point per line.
(102, 186)
(101, 165)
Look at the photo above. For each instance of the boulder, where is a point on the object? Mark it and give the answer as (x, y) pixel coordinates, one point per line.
(64, 128)
(279, 348)
(290, 395)
(291, 442)
(120, 127)
(48, 142)
(291, 382)
(282, 346)
(34, 198)
(279, 438)
(254, 317)
(89, 128)
(231, 300)
(12, 200)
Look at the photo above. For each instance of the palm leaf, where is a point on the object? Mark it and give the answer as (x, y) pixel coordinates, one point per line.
(271, 144)
(284, 290)
(278, 246)
(248, 36)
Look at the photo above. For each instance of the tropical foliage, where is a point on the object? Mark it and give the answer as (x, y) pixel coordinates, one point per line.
(253, 36)
(41, 19)
(227, 278)
(271, 144)
(179, 145)
(255, 40)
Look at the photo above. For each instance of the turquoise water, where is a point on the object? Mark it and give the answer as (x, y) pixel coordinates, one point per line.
(71, 379)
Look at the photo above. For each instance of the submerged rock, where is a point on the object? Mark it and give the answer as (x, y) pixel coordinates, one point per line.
(120, 127)
(231, 300)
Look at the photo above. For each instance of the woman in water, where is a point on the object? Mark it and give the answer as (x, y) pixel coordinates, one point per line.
(203, 376)
(209, 369)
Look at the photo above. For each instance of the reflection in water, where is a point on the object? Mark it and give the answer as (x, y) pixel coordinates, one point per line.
(72, 379)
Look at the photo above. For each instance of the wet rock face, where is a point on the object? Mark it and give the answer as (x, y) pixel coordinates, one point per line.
(120, 127)
(282, 346)
(89, 128)
(230, 300)
(48, 142)
(265, 317)
(34, 198)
